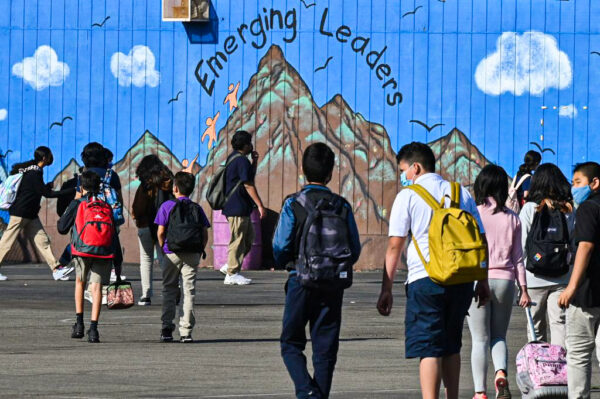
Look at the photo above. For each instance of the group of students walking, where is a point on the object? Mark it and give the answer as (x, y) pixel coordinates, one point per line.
(317, 241)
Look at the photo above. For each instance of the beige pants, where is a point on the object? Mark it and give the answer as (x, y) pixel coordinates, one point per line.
(546, 299)
(582, 336)
(173, 266)
(242, 238)
(33, 230)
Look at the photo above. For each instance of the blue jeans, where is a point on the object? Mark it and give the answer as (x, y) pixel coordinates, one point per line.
(323, 310)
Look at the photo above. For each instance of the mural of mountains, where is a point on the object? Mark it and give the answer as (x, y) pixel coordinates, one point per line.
(278, 109)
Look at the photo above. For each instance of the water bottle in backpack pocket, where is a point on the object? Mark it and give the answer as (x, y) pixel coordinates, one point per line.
(548, 244)
(110, 195)
(325, 254)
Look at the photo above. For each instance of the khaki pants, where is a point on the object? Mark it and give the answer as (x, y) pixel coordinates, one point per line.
(582, 336)
(173, 266)
(546, 299)
(242, 238)
(33, 230)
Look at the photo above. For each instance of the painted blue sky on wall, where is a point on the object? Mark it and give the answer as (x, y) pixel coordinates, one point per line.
(506, 73)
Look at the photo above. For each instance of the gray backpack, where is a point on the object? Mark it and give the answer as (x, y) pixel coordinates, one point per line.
(216, 194)
(324, 255)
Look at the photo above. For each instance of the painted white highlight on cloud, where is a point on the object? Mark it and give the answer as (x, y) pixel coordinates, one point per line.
(531, 62)
(43, 69)
(568, 111)
(3, 114)
(137, 67)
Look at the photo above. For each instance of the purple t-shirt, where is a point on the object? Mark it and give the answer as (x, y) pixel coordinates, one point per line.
(162, 217)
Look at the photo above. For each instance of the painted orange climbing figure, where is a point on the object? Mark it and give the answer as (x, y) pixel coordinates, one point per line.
(189, 166)
(232, 96)
(211, 130)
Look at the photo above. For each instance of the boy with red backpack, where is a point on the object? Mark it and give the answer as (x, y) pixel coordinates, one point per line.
(93, 237)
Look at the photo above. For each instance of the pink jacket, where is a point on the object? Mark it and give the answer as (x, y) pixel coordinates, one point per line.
(503, 233)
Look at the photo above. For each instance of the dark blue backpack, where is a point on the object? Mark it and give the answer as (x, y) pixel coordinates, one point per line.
(324, 256)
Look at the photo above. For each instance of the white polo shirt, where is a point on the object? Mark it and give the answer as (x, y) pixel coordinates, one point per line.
(410, 213)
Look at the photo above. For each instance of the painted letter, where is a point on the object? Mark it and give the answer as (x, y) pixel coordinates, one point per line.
(291, 24)
(371, 54)
(230, 45)
(383, 70)
(343, 31)
(215, 60)
(260, 32)
(204, 79)
(365, 42)
(396, 99)
(323, 20)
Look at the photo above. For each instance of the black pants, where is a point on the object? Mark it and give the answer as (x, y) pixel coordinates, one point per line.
(323, 311)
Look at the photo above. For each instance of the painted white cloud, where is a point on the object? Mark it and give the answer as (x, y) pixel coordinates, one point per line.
(531, 62)
(137, 68)
(3, 114)
(568, 111)
(43, 69)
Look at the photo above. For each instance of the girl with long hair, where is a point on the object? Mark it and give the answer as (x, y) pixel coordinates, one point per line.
(530, 163)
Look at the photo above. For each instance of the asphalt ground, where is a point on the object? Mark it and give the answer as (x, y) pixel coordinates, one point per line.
(235, 355)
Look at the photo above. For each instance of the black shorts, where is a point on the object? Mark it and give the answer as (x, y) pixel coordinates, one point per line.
(435, 316)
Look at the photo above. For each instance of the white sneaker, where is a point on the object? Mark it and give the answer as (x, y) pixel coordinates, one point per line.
(104, 299)
(224, 269)
(88, 296)
(113, 276)
(62, 273)
(3, 277)
(236, 279)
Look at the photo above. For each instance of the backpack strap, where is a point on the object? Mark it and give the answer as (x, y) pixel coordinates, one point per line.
(238, 184)
(520, 182)
(107, 177)
(455, 195)
(428, 198)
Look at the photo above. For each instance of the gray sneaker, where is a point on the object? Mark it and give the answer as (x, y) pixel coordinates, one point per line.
(62, 273)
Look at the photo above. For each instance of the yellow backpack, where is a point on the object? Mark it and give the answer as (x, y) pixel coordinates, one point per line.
(457, 251)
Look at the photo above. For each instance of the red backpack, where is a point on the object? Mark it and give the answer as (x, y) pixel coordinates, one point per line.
(94, 230)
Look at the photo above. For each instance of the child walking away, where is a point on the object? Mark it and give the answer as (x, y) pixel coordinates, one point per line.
(531, 162)
(437, 303)
(582, 295)
(25, 208)
(488, 324)
(156, 187)
(182, 233)
(317, 241)
(93, 240)
(547, 224)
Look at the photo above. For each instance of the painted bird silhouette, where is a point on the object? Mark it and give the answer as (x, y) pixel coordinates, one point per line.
(324, 65)
(176, 98)
(5, 154)
(429, 129)
(308, 5)
(413, 12)
(542, 150)
(595, 52)
(100, 25)
(61, 122)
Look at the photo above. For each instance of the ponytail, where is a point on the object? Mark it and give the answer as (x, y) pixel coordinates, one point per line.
(531, 162)
(39, 155)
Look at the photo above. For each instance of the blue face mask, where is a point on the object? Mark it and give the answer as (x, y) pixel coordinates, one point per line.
(580, 194)
(404, 181)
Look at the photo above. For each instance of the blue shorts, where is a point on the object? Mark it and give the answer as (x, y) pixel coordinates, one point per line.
(435, 316)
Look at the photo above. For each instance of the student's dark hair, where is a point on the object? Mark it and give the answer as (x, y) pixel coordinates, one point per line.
(94, 155)
(549, 183)
(317, 163)
(492, 182)
(90, 182)
(530, 162)
(39, 154)
(240, 139)
(417, 152)
(590, 170)
(152, 172)
(185, 183)
(108, 156)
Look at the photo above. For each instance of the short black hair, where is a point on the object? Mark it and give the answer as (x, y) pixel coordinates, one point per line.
(94, 156)
(90, 182)
(185, 183)
(317, 163)
(492, 181)
(417, 152)
(590, 170)
(240, 139)
(549, 183)
(108, 155)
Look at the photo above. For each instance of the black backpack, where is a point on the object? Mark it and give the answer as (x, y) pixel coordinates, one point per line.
(324, 254)
(548, 244)
(186, 230)
(216, 194)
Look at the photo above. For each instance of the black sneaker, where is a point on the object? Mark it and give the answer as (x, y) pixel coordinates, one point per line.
(93, 336)
(144, 302)
(186, 340)
(166, 335)
(77, 331)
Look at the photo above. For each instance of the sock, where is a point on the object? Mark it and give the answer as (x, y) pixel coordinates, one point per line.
(79, 317)
(93, 324)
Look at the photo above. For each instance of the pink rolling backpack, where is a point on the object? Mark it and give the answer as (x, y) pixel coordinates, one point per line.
(541, 368)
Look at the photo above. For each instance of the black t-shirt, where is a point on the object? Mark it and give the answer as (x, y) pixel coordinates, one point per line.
(240, 203)
(29, 194)
(587, 228)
